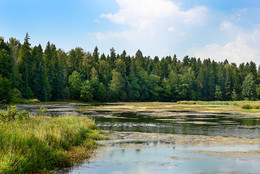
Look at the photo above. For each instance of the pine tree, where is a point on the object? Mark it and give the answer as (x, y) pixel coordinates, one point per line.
(24, 66)
(75, 83)
(5, 90)
(86, 91)
(116, 86)
(101, 93)
(39, 84)
(248, 87)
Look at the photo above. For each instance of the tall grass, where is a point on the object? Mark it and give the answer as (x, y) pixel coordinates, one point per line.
(236, 103)
(241, 104)
(45, 143)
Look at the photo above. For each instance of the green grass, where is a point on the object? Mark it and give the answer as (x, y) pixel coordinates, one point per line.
(25, 101)
(249, 106)
(245, 105)
(42, 144)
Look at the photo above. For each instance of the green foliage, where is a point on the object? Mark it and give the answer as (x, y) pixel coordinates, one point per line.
(186, 102)
(248, 87)
(246, 106)
(12, 114)
(25, 68)
(53, 74)
(250, 106)
(45, 143)
(17, 95)
(101, 93)
(42, 110)
(86, 92)
(75, 84)
(5, 90)
(234, 96)
(218, 93)
(116, 87)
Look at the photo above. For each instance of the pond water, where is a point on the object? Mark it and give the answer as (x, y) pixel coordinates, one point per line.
(181, 122)
(158, 158)
(186, 123)
(161, 157)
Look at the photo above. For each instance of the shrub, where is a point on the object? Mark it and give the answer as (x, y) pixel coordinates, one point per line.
(12, 114)
(42, 110)
(246, 106)
(23, 116)
(186, 102)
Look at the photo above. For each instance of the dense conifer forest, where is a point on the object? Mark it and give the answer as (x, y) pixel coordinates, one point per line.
(51, 74)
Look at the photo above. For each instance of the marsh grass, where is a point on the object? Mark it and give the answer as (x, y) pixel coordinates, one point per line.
(46, 143)
(199, 106)
(216, 102)
(241, 104)
(249, 106)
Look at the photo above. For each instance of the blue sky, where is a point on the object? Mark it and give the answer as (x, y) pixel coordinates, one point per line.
(217, 29)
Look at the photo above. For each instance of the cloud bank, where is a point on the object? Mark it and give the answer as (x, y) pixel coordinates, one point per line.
(244, 48)
(163, 27)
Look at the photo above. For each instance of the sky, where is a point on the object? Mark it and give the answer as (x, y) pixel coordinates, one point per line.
(216, 29)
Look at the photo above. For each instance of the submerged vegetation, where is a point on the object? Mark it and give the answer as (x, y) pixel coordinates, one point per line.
(52, 74)
(34, 144)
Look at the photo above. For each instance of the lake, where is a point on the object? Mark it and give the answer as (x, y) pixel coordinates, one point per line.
(165, 138)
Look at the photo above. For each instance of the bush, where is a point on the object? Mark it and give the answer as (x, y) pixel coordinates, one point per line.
(5, 90)
(250, 106)
(17, 95)
(42, 110)
(23, 116)
(12, 114)
(186, 102)
(246, 106)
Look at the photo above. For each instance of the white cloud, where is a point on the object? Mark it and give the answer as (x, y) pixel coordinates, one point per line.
(243, 49)
(162, 27)
(96, 21)
(101, 36)
(149, 15)
(171, 29)
(227, 25)
(230, 27)
(154, 26)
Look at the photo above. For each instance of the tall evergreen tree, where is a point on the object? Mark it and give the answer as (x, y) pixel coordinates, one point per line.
(24, 66)
(39, 84)
(248, 86)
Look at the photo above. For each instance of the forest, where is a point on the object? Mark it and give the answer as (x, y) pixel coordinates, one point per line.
(51, 74)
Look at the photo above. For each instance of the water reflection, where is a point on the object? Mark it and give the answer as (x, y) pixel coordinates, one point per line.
(156, 157)
(214, 124)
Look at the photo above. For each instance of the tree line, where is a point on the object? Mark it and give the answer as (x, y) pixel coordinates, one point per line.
(52, 74)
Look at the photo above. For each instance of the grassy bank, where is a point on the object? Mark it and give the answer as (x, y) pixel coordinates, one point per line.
(219, 102)
(33, 144)
(240, 104)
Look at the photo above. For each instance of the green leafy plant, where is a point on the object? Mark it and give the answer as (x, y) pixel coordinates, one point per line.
(13, 114)
(42, 110)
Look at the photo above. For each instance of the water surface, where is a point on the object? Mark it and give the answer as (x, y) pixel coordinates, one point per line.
(162, 157)
(155, 157)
